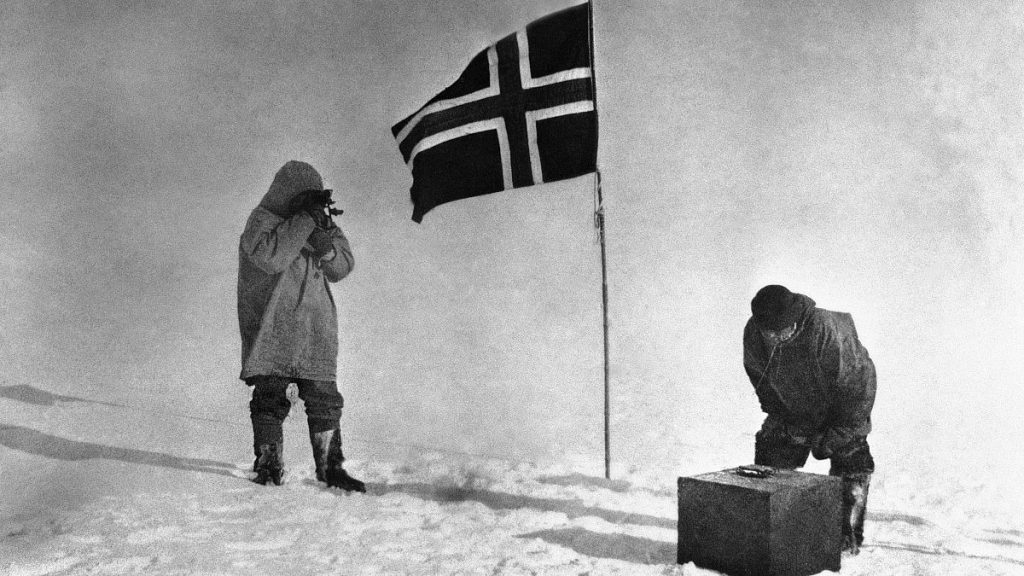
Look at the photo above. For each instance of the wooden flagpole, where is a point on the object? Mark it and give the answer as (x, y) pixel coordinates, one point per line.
(599, 224)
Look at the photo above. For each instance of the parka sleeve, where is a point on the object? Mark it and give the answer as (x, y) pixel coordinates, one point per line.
(272, 243)
(343, 262)
(847, 363)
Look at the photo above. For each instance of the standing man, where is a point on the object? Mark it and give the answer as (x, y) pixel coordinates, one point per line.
(816, 383)
(289, 252)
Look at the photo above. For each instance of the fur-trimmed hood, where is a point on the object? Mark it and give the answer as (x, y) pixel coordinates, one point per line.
(294, 177)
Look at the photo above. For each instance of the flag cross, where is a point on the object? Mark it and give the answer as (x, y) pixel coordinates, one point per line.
(520, 100)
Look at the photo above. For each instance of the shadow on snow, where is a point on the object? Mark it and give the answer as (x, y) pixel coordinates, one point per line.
(41, 444)
(503, 501)
(586, 542)
(33, 395)
(611, 546)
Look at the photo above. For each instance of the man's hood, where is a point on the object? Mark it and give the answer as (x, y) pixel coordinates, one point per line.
(805, 304)
(292, 178)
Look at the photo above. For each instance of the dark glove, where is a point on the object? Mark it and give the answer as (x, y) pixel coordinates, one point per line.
(320, 241)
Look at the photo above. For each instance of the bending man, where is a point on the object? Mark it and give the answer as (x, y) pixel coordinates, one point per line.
(816, 383)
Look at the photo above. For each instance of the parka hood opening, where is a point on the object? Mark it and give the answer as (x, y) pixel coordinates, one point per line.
(294, 177)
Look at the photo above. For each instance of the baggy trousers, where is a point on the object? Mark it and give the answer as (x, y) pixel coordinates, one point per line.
(776, 446)
(270, 406)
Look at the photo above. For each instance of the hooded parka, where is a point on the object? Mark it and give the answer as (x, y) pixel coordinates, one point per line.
(819, 382)
(286, 313)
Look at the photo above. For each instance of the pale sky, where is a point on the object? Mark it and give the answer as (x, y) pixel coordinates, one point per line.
(868, 154)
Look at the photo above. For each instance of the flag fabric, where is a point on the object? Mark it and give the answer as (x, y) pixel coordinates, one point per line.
(522, 113)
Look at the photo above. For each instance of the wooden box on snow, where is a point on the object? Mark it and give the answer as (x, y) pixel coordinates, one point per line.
(785, 524)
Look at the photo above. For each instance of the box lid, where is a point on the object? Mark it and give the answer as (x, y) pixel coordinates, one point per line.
(777, 480)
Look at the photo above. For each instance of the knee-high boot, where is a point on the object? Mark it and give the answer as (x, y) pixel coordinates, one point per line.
(268, 444)
(855, 502)
(268, 409)
(329, 460)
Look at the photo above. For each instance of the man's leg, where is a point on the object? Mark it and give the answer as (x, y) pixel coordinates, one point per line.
(323, 414)
(267, 410)
(776, 446)
(854, 465)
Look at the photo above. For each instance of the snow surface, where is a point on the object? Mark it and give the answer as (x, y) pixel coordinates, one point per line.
(82, 497)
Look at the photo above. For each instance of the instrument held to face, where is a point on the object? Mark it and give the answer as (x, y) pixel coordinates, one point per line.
(318, 204)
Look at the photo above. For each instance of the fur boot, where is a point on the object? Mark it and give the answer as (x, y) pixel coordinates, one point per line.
(269, 466)
(329, 460)
(855, 502)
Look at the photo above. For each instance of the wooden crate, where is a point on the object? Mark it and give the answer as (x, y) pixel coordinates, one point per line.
(785, 524)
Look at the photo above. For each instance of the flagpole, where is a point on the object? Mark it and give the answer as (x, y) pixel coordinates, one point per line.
(599, 223)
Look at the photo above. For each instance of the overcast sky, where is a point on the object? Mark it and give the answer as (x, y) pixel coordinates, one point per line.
(868, 154)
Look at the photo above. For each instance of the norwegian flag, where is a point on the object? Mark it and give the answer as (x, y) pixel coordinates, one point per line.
(522, 113)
